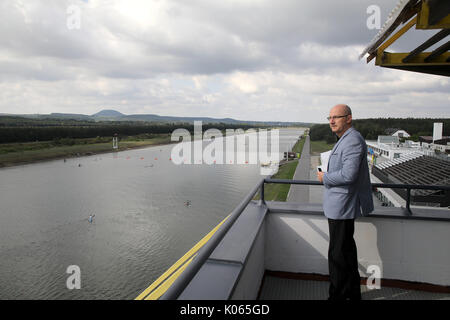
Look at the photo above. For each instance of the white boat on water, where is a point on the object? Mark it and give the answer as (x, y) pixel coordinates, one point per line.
(266, 164)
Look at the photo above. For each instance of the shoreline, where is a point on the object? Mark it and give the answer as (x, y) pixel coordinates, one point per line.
(280, 192)
(41, 155)
(25, 155)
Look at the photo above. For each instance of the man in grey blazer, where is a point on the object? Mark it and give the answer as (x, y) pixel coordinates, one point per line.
(347, 196)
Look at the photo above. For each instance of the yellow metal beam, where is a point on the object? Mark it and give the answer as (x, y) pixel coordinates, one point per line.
(438, 66)
(423, 17)
(397, 35)
(395, 59)
(175, 270)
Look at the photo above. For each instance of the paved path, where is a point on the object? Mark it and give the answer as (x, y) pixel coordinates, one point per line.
(315, 192)
(300, 193)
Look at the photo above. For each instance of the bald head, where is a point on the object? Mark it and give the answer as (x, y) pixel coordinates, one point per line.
(342, 108)
(340, 119)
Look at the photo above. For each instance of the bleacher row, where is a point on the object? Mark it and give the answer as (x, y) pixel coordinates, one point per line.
(403, 158)
(416, 168)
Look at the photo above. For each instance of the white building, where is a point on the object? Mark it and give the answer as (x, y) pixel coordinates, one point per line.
(429, 148)
(436, 143)
(401, 134)
(389, 147)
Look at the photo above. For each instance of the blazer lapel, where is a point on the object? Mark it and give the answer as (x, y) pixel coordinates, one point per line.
(341, 138)
(337, 143)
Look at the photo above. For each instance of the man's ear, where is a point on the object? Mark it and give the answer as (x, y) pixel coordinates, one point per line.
(349, 119)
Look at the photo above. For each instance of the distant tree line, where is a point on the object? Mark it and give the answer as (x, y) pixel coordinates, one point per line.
(16, 121)
(9, 134)
(370, 129)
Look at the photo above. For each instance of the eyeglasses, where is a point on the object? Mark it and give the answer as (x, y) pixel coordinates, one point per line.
(336, 117)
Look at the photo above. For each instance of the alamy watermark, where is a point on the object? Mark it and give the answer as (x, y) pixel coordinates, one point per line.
(374, 280)
(74, 280)
(237, 150)
(374, 19)
(73, 21)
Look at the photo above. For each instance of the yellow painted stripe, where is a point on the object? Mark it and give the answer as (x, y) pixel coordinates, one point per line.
(166, 285)
(394, 38)
(179, 263)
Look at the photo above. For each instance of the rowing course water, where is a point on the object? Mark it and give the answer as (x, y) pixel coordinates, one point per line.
(141, 225)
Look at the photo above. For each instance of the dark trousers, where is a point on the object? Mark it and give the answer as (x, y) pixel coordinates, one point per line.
(343, 261)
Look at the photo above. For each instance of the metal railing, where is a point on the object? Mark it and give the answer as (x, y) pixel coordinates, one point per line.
(408, 187)
(174, 291)
(203, 254)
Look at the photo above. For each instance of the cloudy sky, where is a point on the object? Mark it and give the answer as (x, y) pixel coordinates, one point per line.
(284, 60)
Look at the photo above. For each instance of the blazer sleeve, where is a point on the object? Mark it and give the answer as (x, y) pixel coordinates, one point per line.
(352, 153)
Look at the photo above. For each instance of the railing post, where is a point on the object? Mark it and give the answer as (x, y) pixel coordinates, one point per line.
(408, 200)
(262, 192)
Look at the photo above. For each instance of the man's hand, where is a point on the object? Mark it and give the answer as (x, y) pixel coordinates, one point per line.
(320, 176)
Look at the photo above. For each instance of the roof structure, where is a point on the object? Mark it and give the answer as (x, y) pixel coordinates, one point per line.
(423, 14)
(388, 139)
(416, 168)
(429, 139)
(401, 134)
(390, 131)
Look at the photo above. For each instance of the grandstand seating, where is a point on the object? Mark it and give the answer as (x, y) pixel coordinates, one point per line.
(416, 168)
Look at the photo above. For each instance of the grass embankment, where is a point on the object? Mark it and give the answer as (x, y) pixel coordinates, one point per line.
(279, 192)
(298, 147)
(21, 153)
(320, 146)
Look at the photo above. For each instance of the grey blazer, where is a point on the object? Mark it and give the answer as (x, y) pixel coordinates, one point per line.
(347, 193)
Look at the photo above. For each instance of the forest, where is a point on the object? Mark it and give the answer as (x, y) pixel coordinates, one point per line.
(370, 129)
(18, 129)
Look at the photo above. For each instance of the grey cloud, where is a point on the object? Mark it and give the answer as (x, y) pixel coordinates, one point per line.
(217, 37)
(197, 37)
(117, 60)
